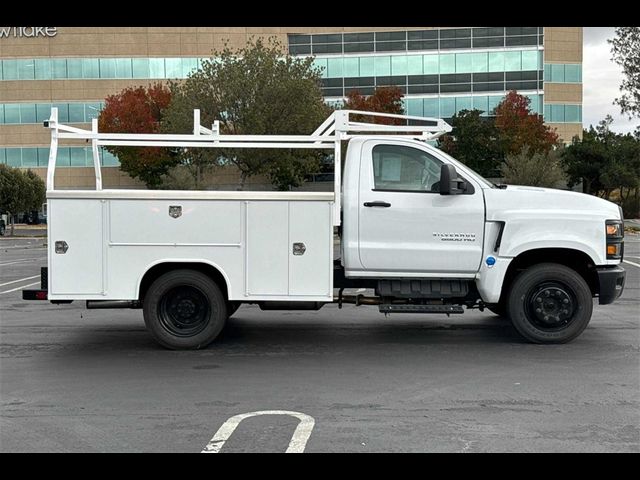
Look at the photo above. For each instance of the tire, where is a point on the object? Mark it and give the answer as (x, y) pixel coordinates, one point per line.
(550, 303)
(184, 310)
(232, 307)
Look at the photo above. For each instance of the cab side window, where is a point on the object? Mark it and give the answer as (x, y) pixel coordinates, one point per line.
(405, 169)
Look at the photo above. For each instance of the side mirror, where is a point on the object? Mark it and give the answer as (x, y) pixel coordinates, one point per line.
(450, 183)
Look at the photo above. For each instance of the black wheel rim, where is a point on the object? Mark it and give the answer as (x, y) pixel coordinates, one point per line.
(184, 311)
(551, 306)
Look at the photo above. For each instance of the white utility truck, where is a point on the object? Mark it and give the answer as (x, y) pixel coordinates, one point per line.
(420, 229)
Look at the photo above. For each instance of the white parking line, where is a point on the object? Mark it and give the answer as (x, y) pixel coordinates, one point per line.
(23, 260)
(21, 280)
(20, 288)
(26, 260)
(632, 263)
(296, 445)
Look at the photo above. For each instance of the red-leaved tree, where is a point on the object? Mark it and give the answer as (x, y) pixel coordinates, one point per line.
(139, 110)
(383, 100)
(519, 127)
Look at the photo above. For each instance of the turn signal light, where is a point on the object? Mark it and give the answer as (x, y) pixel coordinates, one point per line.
(612, 250)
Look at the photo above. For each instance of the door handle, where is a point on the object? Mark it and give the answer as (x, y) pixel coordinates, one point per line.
(377, 204)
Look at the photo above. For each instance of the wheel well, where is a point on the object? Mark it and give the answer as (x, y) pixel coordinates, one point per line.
(574, 259)
(157, 270)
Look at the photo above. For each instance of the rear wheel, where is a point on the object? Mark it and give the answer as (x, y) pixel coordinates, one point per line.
(550, 303)
(184, 309)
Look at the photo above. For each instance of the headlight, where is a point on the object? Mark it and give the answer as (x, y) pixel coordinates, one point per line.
(614, 230)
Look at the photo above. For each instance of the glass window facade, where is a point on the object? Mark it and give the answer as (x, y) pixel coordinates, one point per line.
(97, 68)
(563, 73)
(43, 68)
(412, 63)
(563, 113)
(445, 107)
(29, 113)
(403, 41)
(38, 157)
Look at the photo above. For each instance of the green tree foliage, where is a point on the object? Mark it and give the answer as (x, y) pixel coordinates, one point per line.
(607, 164)
(474, 141)
(20, 191)
(257, 90)
(540, 169)
(139, 110)
(625, 48)
(35, 193)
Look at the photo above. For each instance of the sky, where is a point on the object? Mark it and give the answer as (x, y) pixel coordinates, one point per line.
(601, 80)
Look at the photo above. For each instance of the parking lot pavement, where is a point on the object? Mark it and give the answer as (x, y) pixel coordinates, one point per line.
(90, 380)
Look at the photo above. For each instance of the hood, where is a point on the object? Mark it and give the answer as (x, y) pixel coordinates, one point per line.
(523, 201)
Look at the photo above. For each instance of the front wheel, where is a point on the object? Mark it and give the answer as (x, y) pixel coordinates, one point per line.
(184, 310)
(550, 303)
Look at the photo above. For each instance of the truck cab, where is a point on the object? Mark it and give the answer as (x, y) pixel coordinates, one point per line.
(430, 230)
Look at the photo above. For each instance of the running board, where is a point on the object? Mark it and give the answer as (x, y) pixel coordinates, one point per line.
(448, 309)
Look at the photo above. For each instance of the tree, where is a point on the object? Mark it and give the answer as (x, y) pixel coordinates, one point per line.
(607, 164)
(20, 191)
(383, 100)
(540, 169)
(35, 193)
(139, 110)
(257, 90)
(626, 53)
(474, 141)
(519, 127)
(585, 160)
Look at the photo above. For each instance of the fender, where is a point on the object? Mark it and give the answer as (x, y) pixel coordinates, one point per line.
(518, 237)
(524, 234)
(185, 261)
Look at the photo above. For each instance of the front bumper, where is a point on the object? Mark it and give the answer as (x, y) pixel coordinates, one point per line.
(611, 282)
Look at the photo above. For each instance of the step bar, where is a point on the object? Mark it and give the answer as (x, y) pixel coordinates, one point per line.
(448, 309)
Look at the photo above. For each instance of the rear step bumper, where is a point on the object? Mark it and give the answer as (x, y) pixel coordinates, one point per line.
(42, 293)
(35, 295)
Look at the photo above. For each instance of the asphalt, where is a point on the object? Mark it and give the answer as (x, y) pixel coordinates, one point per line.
(76, 380)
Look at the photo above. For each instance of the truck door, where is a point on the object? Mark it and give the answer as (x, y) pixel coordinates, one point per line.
(405, 225)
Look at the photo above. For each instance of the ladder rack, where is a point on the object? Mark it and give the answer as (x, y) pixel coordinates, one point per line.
(338, 127)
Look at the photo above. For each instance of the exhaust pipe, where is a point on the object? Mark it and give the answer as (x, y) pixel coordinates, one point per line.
(358, 300)
(104, 304)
